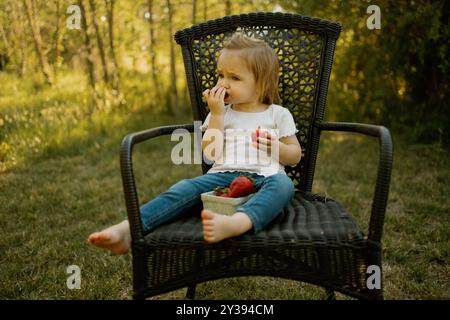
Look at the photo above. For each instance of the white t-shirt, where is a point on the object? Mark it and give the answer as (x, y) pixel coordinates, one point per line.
(239, 154)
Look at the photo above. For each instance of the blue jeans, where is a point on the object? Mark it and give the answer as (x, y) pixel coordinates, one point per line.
(273, 194)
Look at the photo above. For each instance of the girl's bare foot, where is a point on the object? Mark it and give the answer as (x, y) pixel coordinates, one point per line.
(217, 227)
(116, 238)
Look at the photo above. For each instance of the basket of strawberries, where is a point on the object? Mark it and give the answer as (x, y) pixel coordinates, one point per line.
(224, 200)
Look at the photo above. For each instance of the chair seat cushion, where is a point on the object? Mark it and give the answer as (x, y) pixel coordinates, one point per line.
(309, 219)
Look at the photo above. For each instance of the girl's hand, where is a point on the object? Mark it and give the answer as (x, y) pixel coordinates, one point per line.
(214, 98)
(266, 141)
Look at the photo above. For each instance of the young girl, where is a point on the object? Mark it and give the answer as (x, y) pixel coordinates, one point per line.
(248, 85)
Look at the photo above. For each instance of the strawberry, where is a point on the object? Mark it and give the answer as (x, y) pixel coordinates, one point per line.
(241, 186)
(259, 133)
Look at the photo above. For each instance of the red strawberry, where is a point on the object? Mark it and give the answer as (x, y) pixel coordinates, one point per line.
(241, 186)
(257, 134)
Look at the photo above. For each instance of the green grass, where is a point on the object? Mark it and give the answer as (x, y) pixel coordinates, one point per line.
(57, 190)
(416, 233)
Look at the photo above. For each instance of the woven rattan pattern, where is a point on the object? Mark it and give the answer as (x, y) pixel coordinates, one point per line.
(299, 73)
(300, 54)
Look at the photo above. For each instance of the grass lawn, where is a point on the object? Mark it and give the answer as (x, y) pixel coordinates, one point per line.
(60, 181)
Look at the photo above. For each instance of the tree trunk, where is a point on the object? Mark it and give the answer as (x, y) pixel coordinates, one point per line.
(173, 77)
(115, 70)
(7, 54)
(57, 36)
(227, 7)
(194, 11)
(205, 10)
(5, 40)
(89, 56)
(99, 42)
(17, 27)
(154, 67)
(36, 32)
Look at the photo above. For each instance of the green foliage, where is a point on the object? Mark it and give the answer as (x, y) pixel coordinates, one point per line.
(398, 76)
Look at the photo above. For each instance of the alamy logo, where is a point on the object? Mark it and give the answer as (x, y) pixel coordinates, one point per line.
(374, 279)
(74, 280)
(374, 20)
(237, 148)
(74, 20)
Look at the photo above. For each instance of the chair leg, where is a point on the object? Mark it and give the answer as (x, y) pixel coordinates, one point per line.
(138, 297)
(330, 294)
(190, 294)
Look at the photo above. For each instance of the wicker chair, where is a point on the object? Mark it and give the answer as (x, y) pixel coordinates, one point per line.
(314, 239)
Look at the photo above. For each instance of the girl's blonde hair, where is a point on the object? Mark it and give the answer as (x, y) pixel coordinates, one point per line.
(262, 60)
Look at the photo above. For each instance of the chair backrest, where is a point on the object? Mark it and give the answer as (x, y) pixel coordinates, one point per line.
(305, 47)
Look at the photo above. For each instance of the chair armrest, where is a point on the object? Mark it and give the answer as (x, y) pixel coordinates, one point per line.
(380, 197)
(126, 168)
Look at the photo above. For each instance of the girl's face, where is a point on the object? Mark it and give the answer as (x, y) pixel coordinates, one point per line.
(235, 77)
